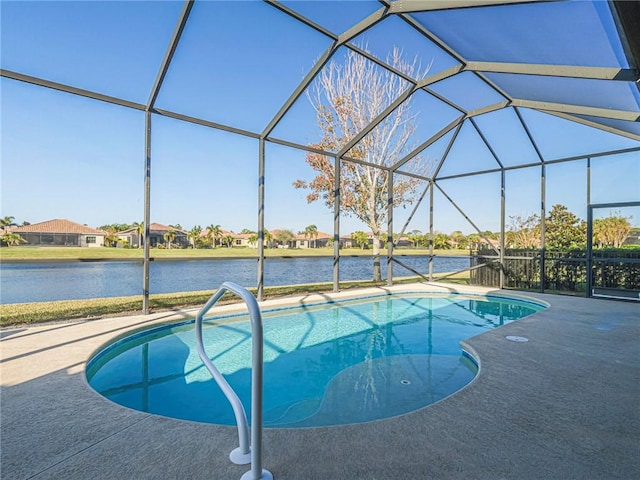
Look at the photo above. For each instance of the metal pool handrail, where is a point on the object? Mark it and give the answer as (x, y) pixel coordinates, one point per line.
(245, 453)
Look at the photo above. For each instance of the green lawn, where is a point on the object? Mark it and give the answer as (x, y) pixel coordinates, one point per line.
(74, 253)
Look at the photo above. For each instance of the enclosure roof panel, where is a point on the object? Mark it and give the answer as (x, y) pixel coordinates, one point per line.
(575, 91)
(394, 32)
(558, 137)
(337, 17)
(580, 33)
(468, 91)
(625, 126)
(217, 63)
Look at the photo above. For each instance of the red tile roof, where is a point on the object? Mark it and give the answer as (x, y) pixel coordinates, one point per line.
(58, 225)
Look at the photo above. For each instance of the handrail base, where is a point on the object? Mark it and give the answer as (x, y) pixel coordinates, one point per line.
(266, 475)
(240, 458)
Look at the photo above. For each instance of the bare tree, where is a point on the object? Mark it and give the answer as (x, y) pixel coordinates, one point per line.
(347, 97)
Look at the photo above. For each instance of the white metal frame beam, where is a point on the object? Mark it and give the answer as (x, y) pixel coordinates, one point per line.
(595, 73)
(413, 6)
(578, 109)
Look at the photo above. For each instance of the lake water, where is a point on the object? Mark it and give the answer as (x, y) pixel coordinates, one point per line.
(42, 282)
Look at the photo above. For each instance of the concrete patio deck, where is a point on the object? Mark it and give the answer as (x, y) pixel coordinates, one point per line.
(565, 405)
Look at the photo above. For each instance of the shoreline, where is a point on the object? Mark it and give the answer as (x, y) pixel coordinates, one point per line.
(202, 255)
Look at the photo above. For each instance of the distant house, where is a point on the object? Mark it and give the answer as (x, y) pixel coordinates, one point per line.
(347, 242)
(485, 244)
(633, 238)
(320, 239)
(157, 232)
(60, 232)
(401, 242)
(404, 242)
(243, 240)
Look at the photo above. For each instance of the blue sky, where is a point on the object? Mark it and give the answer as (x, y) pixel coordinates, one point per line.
(65, 156)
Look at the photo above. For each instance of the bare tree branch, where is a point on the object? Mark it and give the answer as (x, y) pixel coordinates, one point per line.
(347, 97)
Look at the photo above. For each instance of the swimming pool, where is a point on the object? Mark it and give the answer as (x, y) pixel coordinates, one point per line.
(333, 363)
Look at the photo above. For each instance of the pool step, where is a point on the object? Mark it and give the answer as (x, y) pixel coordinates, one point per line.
(389, 386)
(293, 412)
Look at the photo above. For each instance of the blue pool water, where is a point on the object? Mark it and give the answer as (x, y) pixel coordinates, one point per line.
(335, 363)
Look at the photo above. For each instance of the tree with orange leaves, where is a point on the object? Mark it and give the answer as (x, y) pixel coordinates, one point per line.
(347, 97)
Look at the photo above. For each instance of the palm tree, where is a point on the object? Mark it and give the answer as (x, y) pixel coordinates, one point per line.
(253, 238)
(311, 231)
(111, 239)
(213, 233)
(7, 222)
(228, 240)
(194, 235)
(441, 241)
(268, 237)
(414, 237)
(139, 231)
(169, 237)
(474, 240)
(12, 239)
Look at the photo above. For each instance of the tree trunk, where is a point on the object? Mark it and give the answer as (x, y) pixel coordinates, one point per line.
(377, 273)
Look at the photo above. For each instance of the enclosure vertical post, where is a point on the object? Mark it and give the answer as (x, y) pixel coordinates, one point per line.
(431, 231)
(336, 225)
(588, 181)
(543, 232)
(543, 229)
(502, 227)
(589, 265)
(155, 91)
(147, 213)
(390, 228)
(261, 168)
(589, 262)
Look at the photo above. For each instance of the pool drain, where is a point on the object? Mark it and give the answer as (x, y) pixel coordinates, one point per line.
(405, 382)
